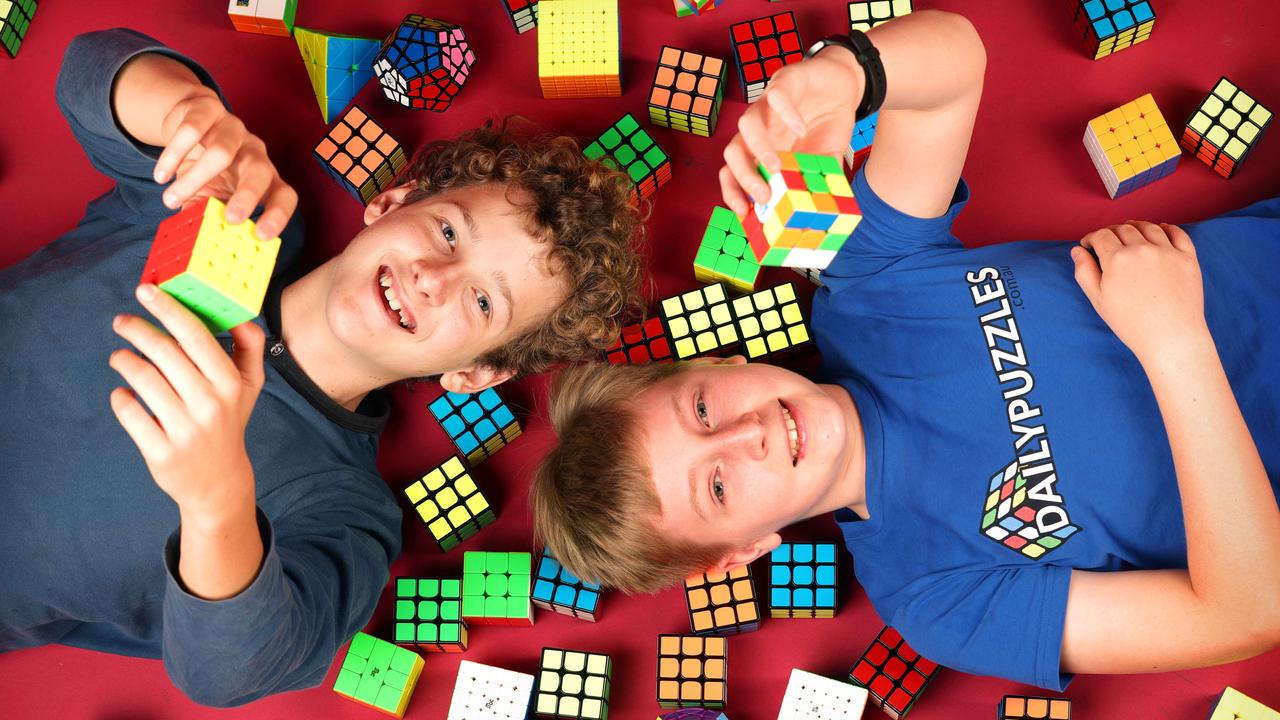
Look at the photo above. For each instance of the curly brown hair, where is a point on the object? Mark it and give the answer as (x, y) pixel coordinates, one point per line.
(583, 207)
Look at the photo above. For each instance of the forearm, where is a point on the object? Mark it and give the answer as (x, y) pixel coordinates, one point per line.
(145, 91)
(220, 552)
(932, 59)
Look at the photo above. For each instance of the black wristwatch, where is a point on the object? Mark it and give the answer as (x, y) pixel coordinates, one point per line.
(868, 57)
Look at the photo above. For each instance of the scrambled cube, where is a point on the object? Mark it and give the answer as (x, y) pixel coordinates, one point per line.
(692, 671)
(263, 17)
(627, 147)
(699, 321)
(1235, 705)
(495, 588)
(360, 155)
(449, 502)
(864, 133)
(424, 63)
(685, 8)
(688, 90)
(866, 14)
(557, 589)
(428, 614)
(578, 49)
(479, 424)
(378, 674)
(893, 673)
(523, 14)
(573, 685)
(1009, 515)
(802, 581)
(1131, 146)
(1225, 128)
(1023, 707)
(814, 697)
(811, 274)
(808, 216)
(15, 19)
(641, 343)
(722, 603)
(219, 271)
(770, 321)
(724, 255)
(762, 46)
(484, 692)
(1108, 26)
(338, 65)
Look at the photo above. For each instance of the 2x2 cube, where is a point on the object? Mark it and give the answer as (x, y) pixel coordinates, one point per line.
(360, 155)
(263, 17)
(688, 90)
(449, 502)
(762, 47)
(479, 424)
(428, 614)
(1225, 128)
(496, 588)
(378, 674)
(424, 63)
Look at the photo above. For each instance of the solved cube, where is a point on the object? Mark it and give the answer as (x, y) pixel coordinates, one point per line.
(811, 274)
(814, 697)
(893, 674)
(808, 216)
(1023, 707)
(428, 614)
(692, 671)
(449, 502)
(724, 255)
(864, 133)
(573, 685)
(360, 155)
(688, 90)
(699, 321)
(15, 19)
(770, 321)
(523, 14)
(1225, 128)
(495, 588)
(641, 343)
(1009, 515)
(338, 65)
(1108, 26)
(263, 17)
(424, 63)
(685, 8)
(219, 271)
(1235, 705)
(802, 580)
(627, 147)
(722, 603)
(378, 674)
(557, 589)
(866, 14)
(762, 47)
(484, 692)
(1131, 146)
(479, 424)
(693, 714)
(578, 49)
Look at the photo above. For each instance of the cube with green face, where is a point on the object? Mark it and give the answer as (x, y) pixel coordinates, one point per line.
(428, 614)
(378, 674)
(627, 147)
(496, 588)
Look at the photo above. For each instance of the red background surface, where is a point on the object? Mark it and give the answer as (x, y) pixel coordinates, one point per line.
(1030, 175)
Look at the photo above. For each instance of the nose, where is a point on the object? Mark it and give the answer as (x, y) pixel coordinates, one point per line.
(745, 434)
(434, 279)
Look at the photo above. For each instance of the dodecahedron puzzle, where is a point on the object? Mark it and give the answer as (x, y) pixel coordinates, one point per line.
(803, 580)
(809, 215)
(688, 89)
(893, 674)
(523, 14)
(449, 502)
(338, 65)
(640, 343)
(699, 321)
(866, 14)
(360, 155)
(15, 20)
(685, 8)
(263, 17)
(1235, 705)
(770, 321)
(378, 674)
(428, 614)
(628, 147)
(1025, 707)
(722, 603)
(1225, 128)
(864, 134)
(724, 254)
(692, 671)
(1131, 146)
(484, 692)
(762, 47)
(1109, 26)
(557, 589)
(479, 424)
(424, 63)
(496, 588)
(219, 271)
(579, 49)
(815, 697)
(573, 685)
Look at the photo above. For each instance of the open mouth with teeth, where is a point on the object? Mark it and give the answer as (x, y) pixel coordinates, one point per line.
(393, 303)
(795, 436)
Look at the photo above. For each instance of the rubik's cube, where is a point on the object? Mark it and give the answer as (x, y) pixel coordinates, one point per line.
(808, 216)
(495, 588)
(1225, 128)
(699, 321)
(424, 63)
(866, 14)
(578, 49)
(814, 697)
(770, 321)
(1108, 26)
(219, 271)
(762, 46)
(557, 589)
(692, 671)
(378, 674)
(724, 255)
(263, 17)
(1010, 515)
(693, 714)
(1235, 705)
(360, 155)
(523, 14)
(641, 343)
(1131, 146)
(688, 90)
(479, 424)
(627, 147)
(573, 685)
(685, 8)
(812, 275)
(893, 673)
(864, 133)
(1024, 707)
(428, 614)
(722, 603)
(338, 65)
(15, 18)
(802, 581)
(449, 502)
(484, 692)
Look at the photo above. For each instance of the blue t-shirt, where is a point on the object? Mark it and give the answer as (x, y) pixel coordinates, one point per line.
(1010, 435)
(89, 544)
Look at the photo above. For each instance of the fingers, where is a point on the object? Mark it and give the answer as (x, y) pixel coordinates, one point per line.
(255, 179)
(1128, 234)
(195, 122)
(194, 343)
(139, 424)
(759, 145)
(221, 144)
(1103, 243)
(153, 388)
(280, 203)
(734, 198)
(247, 356)
(743, 170)
(1088, 274)
(1179, 238)
(786, 111)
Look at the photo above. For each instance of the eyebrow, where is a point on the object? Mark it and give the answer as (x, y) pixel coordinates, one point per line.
(472, 229)
(693, 480)
(500, 279)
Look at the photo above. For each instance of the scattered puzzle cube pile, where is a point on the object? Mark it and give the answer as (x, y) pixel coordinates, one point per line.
(263, 17)
(722, 603)
(338, 66)
(557, 589)
(724, 254)
(628, 147)
(1108, 26)
(864, 133)
(523, 14)
(770, 321)
(814, 697)
(762, 47)
(378, 674)
(449, 502)
(866, 14)
(15, 19)
(428, 614)
(479, 424)
(641, 343)
(802, 580)
(893, 673)
(360, 155)
(1024, 707)
(579, 49)
(685, 8)
(692, 671)
(573, 684)
(809, 215)
(424, 63)
(489, 693)
(496, 588)
(1131, 146)
(1235, 705)
(1225, 128)
(688, 90)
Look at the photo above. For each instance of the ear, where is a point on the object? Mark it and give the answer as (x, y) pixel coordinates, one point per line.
(385, 202)
(748, 554)
(711, 360)
(473, 379)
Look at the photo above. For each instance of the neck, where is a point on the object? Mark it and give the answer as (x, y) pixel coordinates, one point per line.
(849, 489)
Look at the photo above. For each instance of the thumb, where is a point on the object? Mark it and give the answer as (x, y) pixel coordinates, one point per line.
(249, 340)
(1088, 274)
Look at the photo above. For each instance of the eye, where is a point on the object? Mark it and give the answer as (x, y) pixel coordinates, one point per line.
(700, 407)
(446, 231)
(486, 306)
(717, 486)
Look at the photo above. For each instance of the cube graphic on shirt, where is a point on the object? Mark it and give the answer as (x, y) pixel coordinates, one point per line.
(864, 134)
(762, 47)
(449, 502)
(627, 147)
(484, 692)
(724, 254)
(263, 17)
(523, 14)
(219, 271)
(893, 673)
(360, 155)
(814, 697)
(693, 714)
(1235, 705)
(770, 321)
(685, 8)
(378, 674)
(424, 63)
(699, 321)
(722, 603)
(692, 671)
(15, 20)
(338, 66)
(1026, 707)
(1131, 146)
(1109, 26)
(802, 580)
(866, 14)
(1225, 128)
(496, 588)
(557, 589)
(579, 49)
(573, 685)
(428, 614)
(808, 216)
(640, 343)
(479, 424)
(1021, 520)
(687, 92)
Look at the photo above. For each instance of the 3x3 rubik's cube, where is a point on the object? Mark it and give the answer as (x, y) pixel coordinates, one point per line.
(640, 343)
(263, 17)
(725, 254)
(573, 685)
(523, 14)
(893, 673)
(723, 603)
(1226, 127)
(688, 90)
(705, 320)
(866, 14)
(378, 674)
(808, 216)
(692, 671)
(496, 588)
(762, 47)
(360, 155)
(479, 424)
(428, 614)
(803, 580)
(449, 502)
(628, 147)
(15, 19)
(579, 49)
(557, 589)
(1109, 26)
